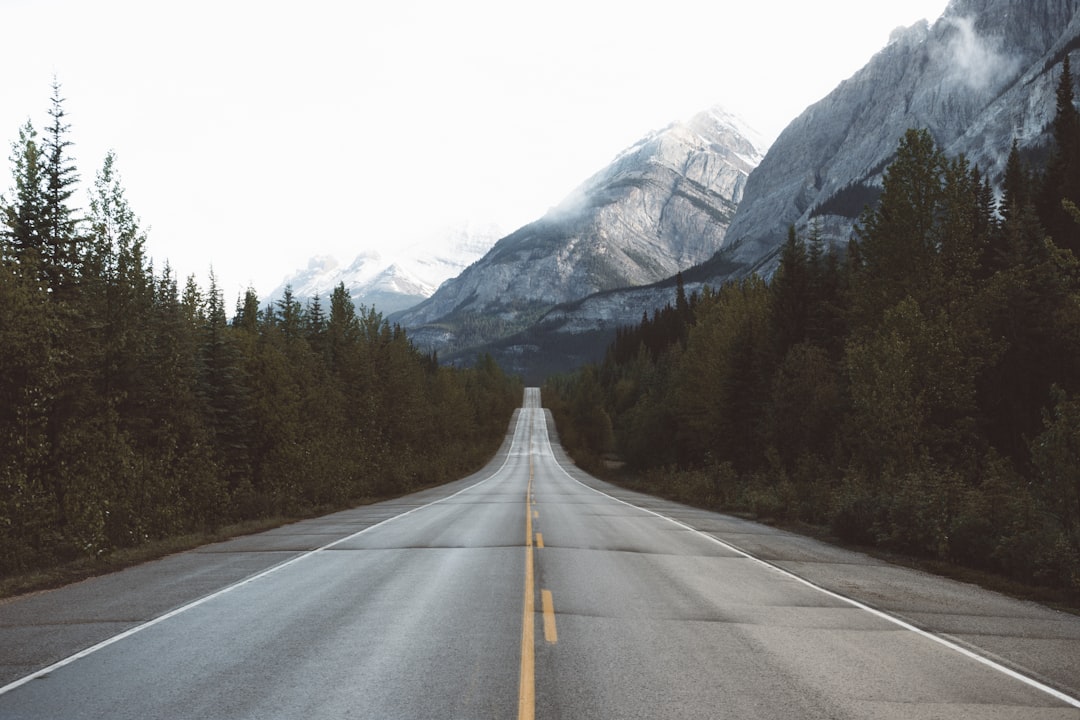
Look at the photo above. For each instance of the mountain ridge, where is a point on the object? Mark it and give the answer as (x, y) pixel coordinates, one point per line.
(976, 79)
(661, 205)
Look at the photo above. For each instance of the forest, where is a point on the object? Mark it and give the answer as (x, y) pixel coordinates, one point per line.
(916, 391)
(133, 408)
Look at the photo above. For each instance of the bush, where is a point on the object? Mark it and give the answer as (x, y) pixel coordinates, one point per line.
(854, 512)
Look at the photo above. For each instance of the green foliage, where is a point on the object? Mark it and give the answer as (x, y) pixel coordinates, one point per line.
(919, 395)
(132, 410)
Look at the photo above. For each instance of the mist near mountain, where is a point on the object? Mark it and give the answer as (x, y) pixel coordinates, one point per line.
(980, 77)
(661, 205)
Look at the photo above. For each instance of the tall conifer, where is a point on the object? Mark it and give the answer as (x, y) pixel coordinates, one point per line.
(61, 253)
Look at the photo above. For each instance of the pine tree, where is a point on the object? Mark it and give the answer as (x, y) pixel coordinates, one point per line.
(117, 275)
(28, 514)
(1062, 179)
(24, 218)
(223, 387)
(59, 225)
(289, 314)
(899, 239)
(247, 312)
(790, 296)
(315, 323)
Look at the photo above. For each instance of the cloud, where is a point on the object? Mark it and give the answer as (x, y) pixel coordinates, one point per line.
(974, 61)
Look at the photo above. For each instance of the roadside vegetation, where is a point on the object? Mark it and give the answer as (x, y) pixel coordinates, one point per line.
(133, 411)
(918, 392)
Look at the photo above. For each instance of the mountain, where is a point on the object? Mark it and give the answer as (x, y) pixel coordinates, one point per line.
(984, 74)
(981, 76)
(662, 205)
(399, 280)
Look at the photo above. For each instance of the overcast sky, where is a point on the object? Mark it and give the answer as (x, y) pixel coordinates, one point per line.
(251, 136)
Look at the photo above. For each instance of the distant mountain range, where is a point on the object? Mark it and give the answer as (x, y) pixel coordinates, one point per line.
(704, 198)
(392, 283)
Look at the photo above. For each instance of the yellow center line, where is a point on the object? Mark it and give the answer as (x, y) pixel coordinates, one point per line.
(539, 540)
(549, 617)
(527, 678)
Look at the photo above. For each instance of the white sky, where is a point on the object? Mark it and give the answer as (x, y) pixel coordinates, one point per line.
(251, 136)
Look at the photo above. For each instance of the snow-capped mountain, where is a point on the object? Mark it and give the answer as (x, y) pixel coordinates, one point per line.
(395, 282)
(662, 205)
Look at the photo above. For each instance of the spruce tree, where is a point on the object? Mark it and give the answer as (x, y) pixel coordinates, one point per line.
(24, 218)
(790, 295)
(59, 225)
(1062, 179)
(898, 239)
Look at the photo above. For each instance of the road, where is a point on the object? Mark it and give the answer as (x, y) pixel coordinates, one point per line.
(531, 590)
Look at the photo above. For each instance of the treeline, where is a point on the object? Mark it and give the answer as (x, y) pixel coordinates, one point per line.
(132, 408)
(919, 392)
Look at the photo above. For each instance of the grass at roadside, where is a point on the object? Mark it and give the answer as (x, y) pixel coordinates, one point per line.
(83, 568)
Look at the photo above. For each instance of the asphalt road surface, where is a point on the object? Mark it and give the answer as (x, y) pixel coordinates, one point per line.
(531, 590)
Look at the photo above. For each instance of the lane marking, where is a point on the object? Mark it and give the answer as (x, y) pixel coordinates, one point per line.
(539, 540)
(269, 571)
(952, 645)
(527, 675)
(548, 604)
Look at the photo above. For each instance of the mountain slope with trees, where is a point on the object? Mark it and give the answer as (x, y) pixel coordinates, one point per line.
(920, 392)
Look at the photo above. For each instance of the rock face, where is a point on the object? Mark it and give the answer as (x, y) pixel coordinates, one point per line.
(983, 74)
(661, 206)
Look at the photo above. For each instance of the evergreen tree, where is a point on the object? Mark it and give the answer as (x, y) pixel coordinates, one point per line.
(342, 329)
(247, 312)
(224, 391)
(790, 290)
(898, 240)
(1062, 179)
(25, 217)
(60, 236)
(289, 314)
(117, 284)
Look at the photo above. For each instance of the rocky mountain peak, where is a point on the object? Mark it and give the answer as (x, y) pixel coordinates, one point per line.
(661, 205)
(976, 79)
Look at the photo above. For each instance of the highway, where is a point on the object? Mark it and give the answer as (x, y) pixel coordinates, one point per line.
(531, 590)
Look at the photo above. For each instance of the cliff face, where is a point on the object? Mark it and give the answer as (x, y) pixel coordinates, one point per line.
(661, 206)
(983, 74)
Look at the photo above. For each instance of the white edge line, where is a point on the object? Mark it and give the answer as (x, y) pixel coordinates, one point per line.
(258, 576)
(1031, 682)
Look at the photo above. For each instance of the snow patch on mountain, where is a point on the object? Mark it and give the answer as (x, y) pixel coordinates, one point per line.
(397, 280)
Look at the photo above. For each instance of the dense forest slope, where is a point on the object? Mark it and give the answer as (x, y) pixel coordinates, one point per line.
(920, 392)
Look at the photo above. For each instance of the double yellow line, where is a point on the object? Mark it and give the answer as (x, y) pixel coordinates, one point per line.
(527, 678)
